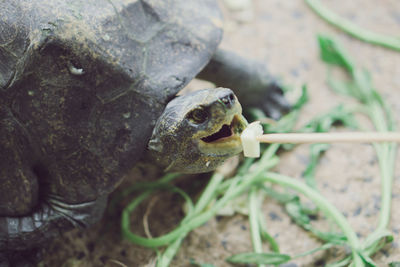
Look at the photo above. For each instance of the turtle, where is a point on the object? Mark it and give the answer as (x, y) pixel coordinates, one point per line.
(90, 88)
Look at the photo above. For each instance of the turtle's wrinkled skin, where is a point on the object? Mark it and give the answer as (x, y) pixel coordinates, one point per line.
(83, 87)
(203, 128)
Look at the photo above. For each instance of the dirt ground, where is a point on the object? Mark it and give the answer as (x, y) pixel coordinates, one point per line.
(282, 34)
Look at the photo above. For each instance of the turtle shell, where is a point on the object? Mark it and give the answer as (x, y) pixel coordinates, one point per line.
(83, 82)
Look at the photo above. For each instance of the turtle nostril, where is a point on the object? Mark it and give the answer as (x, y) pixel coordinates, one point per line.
(228, 100)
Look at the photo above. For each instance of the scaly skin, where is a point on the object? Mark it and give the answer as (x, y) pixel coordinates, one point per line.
(176, 133)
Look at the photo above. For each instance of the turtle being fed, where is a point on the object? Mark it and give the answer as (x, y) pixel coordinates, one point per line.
(89, 87)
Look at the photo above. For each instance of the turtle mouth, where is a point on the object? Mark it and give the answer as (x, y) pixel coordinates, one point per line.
(225, 142)
(227, 131)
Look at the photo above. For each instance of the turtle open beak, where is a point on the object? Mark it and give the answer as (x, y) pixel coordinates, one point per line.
(227, 131)
(226, 140)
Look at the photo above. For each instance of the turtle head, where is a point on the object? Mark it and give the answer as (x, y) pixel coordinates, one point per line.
(198, 131)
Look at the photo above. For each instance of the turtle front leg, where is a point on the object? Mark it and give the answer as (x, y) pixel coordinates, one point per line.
(29, 213)
(22, 236)
(250, 81)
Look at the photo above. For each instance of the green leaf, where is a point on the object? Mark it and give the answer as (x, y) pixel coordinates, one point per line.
(394, 264)
(323, 124)
(286, 123)
(383, 235)
(265, 236)
(346, 88)
(259, 258)
(312, 251)
(367, 260)
(363, 85)
(334, 238)
(337, 115)
(316, 151)
(294, 209)
(303, 99)
(300, 215)
(280, 197)
(333, 54)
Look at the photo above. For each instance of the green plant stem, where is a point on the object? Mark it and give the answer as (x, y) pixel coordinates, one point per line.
(254, 211)
(385, 153)
(166, 257)
(233, 191)
(246, 181)
(387, 181)
(353, 29)
(324, 205)
(266, 236)
(208, 194)
(386, 157)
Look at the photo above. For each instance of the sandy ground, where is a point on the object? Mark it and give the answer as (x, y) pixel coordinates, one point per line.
(282, 34)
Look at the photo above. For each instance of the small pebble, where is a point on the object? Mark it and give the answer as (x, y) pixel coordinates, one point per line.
(297, 14)
(396, 17)
(357, 211)
(224, 243)
(274, 216)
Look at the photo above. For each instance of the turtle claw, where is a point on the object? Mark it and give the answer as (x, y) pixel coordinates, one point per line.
(275, 105)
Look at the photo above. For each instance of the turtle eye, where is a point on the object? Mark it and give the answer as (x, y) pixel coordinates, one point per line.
(198, 115)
